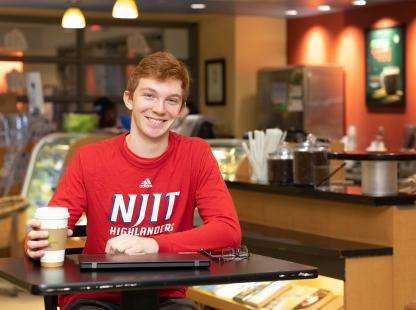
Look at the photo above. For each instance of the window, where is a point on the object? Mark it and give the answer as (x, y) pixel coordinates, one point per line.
(77, 66)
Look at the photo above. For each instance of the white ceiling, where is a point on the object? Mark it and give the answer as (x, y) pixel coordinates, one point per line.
(274, 8)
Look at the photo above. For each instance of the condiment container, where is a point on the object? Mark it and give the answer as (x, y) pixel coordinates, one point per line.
(280, 166)
(306, 157)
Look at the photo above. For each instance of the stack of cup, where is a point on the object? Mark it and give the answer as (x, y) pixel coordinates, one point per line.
(55, 221)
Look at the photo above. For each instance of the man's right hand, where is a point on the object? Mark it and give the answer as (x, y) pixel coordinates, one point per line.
(37, 240)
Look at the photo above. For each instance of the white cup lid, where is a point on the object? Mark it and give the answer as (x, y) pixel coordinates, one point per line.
(49, 213)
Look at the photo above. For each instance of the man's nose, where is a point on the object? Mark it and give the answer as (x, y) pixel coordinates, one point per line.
(159, 106)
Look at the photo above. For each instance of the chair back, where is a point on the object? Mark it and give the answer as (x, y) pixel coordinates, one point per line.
(12, 221)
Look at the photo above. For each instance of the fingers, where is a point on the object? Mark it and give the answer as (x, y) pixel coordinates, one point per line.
(37, 243)
(36, 249)
(37, 240)
(35, 254)
(38, 234)
(70, 232)
(132, 251)
(121, 244)
(131, 245)
(34, 224)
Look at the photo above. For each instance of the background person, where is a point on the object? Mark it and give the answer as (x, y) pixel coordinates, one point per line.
(108, 116)
(107, 112)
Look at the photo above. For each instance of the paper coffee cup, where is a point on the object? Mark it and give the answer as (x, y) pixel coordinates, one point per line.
(55, 221)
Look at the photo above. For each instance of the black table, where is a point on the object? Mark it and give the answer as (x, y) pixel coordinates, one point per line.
(139, 289)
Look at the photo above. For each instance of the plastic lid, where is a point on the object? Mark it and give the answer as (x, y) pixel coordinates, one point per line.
(285, 152)
(311, 145)
(46, 213)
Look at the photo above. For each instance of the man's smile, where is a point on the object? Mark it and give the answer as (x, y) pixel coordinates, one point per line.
(155, 121)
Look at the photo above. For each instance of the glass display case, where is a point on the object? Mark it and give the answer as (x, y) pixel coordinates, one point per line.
(45, 168)
(228, 153)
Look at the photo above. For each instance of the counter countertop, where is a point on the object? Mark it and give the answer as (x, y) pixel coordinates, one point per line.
(372, 156)
(308, 243)
(347, 193)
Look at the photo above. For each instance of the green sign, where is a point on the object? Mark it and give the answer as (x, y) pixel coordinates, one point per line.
(385, 67)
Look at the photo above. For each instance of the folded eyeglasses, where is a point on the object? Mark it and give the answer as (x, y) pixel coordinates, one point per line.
(228, 254)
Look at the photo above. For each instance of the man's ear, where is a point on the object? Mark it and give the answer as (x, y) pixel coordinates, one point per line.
(183, 107)
(184, 111)
(128, 100)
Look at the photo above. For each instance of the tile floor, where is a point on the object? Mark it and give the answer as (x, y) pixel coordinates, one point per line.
(22, 301)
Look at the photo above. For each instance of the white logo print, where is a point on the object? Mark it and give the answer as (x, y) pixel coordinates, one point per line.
(146, 183)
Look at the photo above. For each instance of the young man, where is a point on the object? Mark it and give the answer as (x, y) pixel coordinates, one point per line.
(139, 189)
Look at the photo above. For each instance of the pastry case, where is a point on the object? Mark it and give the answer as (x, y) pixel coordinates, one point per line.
(45, 168)
(229, 153)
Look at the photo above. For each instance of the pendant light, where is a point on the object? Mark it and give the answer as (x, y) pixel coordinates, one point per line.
(73, 18)
(125, 9)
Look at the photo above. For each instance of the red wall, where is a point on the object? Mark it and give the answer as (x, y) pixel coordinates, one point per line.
(338, 39)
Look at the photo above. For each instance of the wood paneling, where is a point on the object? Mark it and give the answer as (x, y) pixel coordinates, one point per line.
(321, 217)
(368, 283)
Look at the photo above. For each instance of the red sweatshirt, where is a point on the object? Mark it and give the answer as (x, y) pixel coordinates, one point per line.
(122, 193)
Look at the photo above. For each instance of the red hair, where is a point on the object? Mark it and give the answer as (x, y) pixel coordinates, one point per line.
(161, 66)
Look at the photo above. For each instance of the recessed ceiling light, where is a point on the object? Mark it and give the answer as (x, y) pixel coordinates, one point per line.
(291, 12)
(198, 6)
(359, 2)
(324, 8)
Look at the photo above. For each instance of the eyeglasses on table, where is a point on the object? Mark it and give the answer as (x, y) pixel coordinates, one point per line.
(228, 254)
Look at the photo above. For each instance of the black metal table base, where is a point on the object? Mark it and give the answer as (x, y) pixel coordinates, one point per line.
(141, 299)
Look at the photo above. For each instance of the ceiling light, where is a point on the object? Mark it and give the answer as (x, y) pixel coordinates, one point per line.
(73, 18)
(359, 2)
(198, 6)
(291, 12)
(125, 9)
(324, 8)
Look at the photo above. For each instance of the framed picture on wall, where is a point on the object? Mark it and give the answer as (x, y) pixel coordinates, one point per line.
(385, 82)
(215, 82)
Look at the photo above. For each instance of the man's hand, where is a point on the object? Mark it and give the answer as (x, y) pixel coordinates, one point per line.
(37, 240)
(131, 245)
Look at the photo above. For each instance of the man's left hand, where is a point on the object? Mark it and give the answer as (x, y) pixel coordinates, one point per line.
(131, 245)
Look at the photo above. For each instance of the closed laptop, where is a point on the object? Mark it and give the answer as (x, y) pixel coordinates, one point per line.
(143, 261)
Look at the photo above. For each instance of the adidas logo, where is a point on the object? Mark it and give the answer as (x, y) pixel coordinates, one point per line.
(146, 183)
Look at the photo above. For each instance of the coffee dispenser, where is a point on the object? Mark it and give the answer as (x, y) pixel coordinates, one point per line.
(302, 99)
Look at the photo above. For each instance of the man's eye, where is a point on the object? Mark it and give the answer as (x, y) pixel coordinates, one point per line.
(173, 101)
(148, 95)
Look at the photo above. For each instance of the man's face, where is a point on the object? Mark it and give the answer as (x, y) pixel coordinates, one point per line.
(155, 105)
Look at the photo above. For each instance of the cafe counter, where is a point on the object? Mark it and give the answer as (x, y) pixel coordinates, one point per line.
(367, 242)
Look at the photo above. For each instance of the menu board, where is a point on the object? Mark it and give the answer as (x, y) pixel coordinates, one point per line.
(385, 67)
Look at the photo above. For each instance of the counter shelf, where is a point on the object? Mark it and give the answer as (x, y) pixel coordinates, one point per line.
(327, 253)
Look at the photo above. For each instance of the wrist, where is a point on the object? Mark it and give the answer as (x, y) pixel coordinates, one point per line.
(155, 245)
